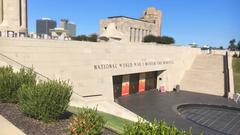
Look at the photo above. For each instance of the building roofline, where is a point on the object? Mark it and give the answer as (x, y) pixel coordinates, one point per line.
(111, 17)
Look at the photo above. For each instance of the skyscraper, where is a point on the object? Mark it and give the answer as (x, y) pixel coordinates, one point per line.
(69, 27)
(13, 18)
(44, 25)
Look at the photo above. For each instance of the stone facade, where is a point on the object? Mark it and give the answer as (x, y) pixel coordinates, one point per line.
(13, 18)
(92, 67)
(135, 30)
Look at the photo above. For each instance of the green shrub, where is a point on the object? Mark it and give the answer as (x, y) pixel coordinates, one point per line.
(86, 122)
(27, 77)
(93, 38)
(104, 38)
(149, 39)
(11, 82)
(235, 55)
(156, 128)
(165, 40)
(45, 101)
(159, 39)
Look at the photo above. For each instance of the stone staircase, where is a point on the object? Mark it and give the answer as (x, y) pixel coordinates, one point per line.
(205, 75)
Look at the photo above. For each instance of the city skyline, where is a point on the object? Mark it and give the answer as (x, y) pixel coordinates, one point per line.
(203, 22)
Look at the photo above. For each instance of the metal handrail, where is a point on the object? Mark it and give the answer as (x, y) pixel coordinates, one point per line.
(24, 66)
(43, 76)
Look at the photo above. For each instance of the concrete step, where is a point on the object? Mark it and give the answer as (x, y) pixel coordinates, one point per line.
(209, 63)
(205, 75)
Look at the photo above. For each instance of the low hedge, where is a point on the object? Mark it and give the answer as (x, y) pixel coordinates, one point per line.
(11, 82)
(86, 122)
(156, 128)
(45, 101)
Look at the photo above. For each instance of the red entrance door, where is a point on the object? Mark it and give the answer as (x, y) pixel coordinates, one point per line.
(125, 85)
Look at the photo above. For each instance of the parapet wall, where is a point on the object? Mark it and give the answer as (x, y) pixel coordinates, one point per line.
(90, 66)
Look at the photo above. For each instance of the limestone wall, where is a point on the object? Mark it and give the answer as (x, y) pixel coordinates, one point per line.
(90, 66)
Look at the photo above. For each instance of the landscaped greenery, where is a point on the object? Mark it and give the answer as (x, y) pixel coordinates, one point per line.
(233, 46)
(90, 38)
(155, 128)
(11, 82)
(159, 39)
(236, 74)
(86, 122)
(112, 122)
(46, 100)
(126, 127)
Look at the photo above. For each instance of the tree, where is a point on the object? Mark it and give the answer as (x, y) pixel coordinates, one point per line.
(80, 38)
(93, 38)
(238, 45)
(149, 39)
(165, 40)
(221, 47)
(232, 45)
(159, 39)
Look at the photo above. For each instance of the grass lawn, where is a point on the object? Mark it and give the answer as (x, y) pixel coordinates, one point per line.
(113, 122)
(236, 74)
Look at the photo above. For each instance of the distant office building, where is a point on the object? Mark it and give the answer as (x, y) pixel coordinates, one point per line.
(69, 27)
(44, 25)
(13, 18)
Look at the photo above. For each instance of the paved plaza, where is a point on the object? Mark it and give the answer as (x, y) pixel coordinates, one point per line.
(154, 105)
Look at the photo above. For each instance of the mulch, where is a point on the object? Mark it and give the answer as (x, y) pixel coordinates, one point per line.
(32, 126)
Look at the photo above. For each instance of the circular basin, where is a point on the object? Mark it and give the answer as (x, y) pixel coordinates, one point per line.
(222, 119)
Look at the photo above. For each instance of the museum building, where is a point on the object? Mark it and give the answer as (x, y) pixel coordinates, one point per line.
(99, 72)
(134, 30)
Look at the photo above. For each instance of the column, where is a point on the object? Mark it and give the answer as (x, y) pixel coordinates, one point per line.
(140, 31)
(24, 14)
(138, 35)
(135, 31)
(5, 14)
(130, 34)
(146, 32)
(143, 35)
(1, 11)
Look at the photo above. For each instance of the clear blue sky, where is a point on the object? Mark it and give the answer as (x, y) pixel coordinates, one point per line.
(212, 22)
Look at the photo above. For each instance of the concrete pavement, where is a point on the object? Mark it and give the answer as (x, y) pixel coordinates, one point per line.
(7, 128)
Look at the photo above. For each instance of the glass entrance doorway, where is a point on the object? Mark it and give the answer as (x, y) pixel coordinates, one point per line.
(124, 85)
(151, 81)
(117, 86)
(134, 83)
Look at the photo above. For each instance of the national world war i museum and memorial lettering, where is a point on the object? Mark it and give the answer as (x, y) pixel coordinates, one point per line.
(102, 72)
(99, 72)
